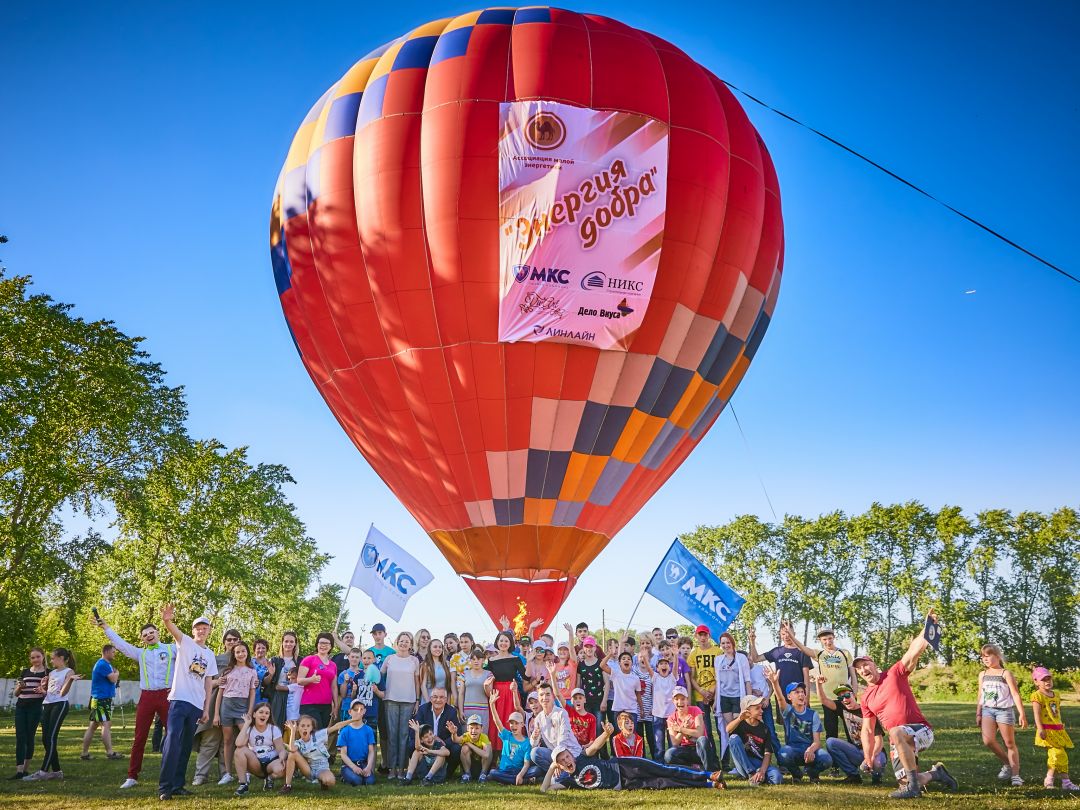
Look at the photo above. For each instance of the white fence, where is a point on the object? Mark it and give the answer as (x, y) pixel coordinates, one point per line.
(79, 694)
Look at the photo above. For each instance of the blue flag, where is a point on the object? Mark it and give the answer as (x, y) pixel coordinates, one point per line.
(686, 586)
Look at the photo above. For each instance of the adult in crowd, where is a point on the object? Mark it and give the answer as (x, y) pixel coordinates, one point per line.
(103, 679)
(345, 642)
(189, 700)
(421, 642)
(888, 700)
(54, 709)
(264, 670)
(848, 755)
(401, 676)
(444, 721)
(157, 668)
(505, 667)
(997, 710)
(281, 665)
(380, 650)
(209, 733)
(687, 732)
(751, 744)
(29, 693)
(732, 671)
(551, 729)
(318, 675)
(835, 664)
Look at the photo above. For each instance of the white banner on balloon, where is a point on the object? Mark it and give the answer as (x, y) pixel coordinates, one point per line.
(582, 200)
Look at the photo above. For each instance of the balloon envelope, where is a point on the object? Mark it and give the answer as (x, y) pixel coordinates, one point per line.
(522, 368)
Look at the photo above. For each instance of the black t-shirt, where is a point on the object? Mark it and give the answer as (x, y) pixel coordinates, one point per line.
(591, 679)
(593, 773)
(29, 695)
(505, 669)
(755, 738)
(853, 723)
(342, 661)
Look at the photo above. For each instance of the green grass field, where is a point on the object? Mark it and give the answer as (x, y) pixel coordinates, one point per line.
(94, 784)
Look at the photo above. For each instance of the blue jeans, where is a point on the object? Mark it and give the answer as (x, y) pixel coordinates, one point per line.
(746, 763)
(179, 734)
(541, 758)
(792, 759)
(660, 738)
(771, 724)
(351, 777)
(510, 777)
(849, 757)
(696, 754)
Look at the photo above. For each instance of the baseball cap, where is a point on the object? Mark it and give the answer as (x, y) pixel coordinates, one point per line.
(357, 702)
(791, 687)
(474, 720)
(826, 631)
(531, 695)
(855, 663)
(588, 641)
(378, 627)
(1039, 673)
(701, 628)
(750, 700)
(539, 646)
(200, 620)
(491, 648)
(516, 716)
(679, 690)
(577, 690)
(558, 749)
(843, 689)
(525, 640)
(563, 645)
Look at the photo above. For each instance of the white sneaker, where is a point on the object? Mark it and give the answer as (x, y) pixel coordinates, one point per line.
(226, 778)
(53, 775)
(129, 783)
(1005, 773)
(1017, 781)
(198, 780)
(36, 776)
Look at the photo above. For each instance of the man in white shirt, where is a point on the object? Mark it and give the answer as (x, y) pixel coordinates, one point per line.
(157, 665)
(551, 729)
(189, 701)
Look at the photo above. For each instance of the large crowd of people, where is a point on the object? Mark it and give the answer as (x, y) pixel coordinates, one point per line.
(655, 710)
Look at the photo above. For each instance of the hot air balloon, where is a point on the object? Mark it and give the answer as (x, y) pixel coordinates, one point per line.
(526, 256)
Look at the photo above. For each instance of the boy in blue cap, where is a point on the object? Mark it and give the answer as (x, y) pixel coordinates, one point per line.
(803, 731)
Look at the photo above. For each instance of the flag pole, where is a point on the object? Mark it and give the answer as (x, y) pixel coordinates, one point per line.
(345, 598)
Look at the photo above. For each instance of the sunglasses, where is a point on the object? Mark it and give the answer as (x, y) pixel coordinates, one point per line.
(232, 638)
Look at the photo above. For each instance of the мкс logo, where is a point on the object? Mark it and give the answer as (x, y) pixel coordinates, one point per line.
(542, 275)
(545, 130)
(369, 555)
(673, 572)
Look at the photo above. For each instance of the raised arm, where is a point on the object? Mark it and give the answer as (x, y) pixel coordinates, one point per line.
(916, 648)
(773, 676)
(826, 701)
(808, 651)
(167, 614)
(599, 742)
(128, 649)
(751, 636)
(493, 699)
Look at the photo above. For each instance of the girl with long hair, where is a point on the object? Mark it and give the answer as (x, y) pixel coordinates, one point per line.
(235, 701)
(997, 710)
(435, 671)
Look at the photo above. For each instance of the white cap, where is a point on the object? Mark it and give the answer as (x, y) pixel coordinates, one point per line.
(201, 620)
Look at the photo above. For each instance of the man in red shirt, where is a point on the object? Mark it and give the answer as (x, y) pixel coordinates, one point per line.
(888, 699)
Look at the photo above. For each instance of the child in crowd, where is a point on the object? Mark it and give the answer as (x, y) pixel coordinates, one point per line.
(348, 681)
(751, 744)
(627, 743)
(475, 745)
(996, 712)
(591, 678)
(308, 753)
(429, 756)
(292, 703)
(685, 646)
(565, 669)
(582, 721)
(356, 745)
(54, 709)
(625, 685)
(803, 731)
(515, 765)
(1050, 731)
(663, 684)
(259, 750)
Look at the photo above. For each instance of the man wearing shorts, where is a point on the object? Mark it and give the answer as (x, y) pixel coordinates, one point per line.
(103, 680)
(888, 699)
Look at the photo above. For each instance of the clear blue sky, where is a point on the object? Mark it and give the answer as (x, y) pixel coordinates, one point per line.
(140, 145)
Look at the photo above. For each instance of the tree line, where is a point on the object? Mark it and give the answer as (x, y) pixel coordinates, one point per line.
(995, 577)
(107, 501)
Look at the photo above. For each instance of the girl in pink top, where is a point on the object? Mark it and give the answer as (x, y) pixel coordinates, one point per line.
(236, 696)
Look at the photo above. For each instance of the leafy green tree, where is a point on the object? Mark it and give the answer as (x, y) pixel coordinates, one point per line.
(1023, 589)
(82, 409)
(994, 532)
(1061, 543)
(947, 559)
(213, 534)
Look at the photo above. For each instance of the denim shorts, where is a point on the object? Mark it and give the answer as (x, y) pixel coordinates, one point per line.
(1006, 717)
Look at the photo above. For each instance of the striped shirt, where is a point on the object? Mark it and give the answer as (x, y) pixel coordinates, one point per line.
(157, 664)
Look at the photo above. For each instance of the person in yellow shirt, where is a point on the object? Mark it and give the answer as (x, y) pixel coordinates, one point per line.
(1050, 731)
(702, 663)
(475, 744)
(835, 665)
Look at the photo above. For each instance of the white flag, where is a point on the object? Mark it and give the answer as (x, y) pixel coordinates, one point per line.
(388, 574)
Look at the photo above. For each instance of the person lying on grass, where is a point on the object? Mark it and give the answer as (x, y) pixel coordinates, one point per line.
(625, 773)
